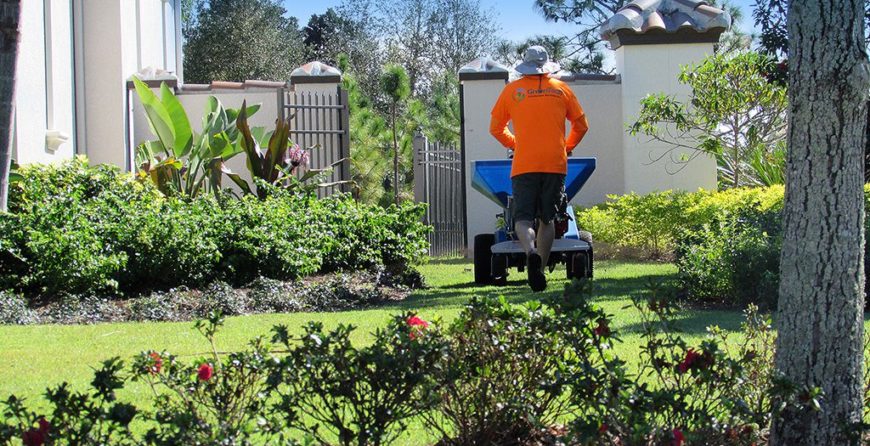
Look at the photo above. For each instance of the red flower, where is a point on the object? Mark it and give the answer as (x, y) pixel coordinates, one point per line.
(691, 358)
(44, 425)
(205, 371)
(603, 428)
(415, 321)
(156, 363)
(417, 326)
(678, 437)
(602, 329)
(33, 437)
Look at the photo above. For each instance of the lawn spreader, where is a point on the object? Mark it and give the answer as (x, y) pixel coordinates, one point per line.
(495, 253)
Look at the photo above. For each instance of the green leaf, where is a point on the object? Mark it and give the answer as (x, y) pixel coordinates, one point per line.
(158, 117)
(180, 122)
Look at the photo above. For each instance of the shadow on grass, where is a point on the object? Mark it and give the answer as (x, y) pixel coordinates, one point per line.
(460, 292)
(448, 261)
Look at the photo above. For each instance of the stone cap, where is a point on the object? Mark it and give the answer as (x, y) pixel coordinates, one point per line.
(315, 73)
(483, 68)
(665, 21)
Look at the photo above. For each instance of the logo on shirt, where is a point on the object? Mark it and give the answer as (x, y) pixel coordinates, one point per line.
(520, 94)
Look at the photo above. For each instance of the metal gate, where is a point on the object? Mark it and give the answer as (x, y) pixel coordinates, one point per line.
(438, 181)
(321, 121)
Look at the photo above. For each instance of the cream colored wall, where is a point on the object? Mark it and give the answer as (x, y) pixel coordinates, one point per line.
(648, 69)
(44, 91)
(600, 101)
(119, 38)
(478, 98)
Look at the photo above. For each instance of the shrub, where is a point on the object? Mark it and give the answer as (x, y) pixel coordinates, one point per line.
(83, 309)
(506, 374)
(93, 230)
(14, 310)
(649, 223)
(361, 396)
(222, 298)
(218, 399)
(74, 417)
(341, 292)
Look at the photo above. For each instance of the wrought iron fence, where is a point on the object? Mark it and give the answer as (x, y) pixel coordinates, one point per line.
(438, 181)
(321, 121)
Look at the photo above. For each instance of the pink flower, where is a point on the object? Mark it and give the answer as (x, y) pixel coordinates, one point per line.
(37, 437)
(297, 156)
(417, 326)
(33, 437)
(205, 371)
(602, 329)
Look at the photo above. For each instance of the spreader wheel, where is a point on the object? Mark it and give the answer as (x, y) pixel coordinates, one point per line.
(499, 269)
(580, 266)
(483, 258)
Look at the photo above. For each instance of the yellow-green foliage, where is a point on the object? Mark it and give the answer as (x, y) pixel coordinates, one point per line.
(653, 222)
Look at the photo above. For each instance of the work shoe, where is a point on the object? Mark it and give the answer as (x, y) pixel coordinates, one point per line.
(537, 279)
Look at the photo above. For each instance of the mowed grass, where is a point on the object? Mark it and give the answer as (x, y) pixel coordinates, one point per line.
(33, 357)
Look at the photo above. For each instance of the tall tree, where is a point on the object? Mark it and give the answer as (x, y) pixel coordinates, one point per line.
(395, 86)
(235, 40)
(770, 17)
(10, 15)
(463, 30)
(821, 299)
(408, 38)
(321, 34)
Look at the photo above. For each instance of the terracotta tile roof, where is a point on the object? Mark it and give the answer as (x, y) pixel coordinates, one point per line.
(683, 17)
(224, 85)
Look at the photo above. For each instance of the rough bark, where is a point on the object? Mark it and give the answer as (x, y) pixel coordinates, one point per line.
(821, 297)
(9, 36)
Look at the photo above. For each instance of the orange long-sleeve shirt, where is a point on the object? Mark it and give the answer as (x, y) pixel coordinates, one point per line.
(538, 107)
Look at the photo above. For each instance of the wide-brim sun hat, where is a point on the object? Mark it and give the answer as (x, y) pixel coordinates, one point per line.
(536, 60)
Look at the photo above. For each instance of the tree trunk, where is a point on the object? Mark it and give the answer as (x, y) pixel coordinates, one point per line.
(395, 157)
(9, 36)
(821, 297)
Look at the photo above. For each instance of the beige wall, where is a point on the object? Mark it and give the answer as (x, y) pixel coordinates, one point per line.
(648, 69)
(44, 84)
(76, 56)
(603, 140)
(479, 97)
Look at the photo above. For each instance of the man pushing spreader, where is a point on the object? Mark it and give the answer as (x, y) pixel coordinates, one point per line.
(538, 106)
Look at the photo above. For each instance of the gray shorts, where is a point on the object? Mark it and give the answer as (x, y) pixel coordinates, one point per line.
(537, 195)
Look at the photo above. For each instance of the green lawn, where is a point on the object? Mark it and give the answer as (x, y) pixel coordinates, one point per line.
(33, 357)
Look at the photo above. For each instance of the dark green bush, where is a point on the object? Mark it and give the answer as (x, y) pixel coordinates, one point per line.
(77, 229)
(361, 396)
(506, 375)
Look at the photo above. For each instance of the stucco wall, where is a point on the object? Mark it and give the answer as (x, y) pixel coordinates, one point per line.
(44, 91)
(648, 69)
(478, 98)
(603, 140)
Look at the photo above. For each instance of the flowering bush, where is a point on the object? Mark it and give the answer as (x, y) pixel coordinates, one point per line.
(74, 417)
(361, 396)
(505, 377)
(217, 399)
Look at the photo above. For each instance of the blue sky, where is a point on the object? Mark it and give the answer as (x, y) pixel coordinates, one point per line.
(517, 18)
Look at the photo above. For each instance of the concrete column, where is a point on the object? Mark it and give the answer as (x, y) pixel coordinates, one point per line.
(481, 82)
(652, 69)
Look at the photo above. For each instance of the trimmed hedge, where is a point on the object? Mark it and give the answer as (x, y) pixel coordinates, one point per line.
(726, 244)
(80, 229)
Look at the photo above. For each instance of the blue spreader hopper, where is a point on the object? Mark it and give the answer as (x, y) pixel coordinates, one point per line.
(496, 253)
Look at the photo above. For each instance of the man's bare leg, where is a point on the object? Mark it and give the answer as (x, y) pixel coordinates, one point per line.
(535, 267)
(546, 235)
(526, 234)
